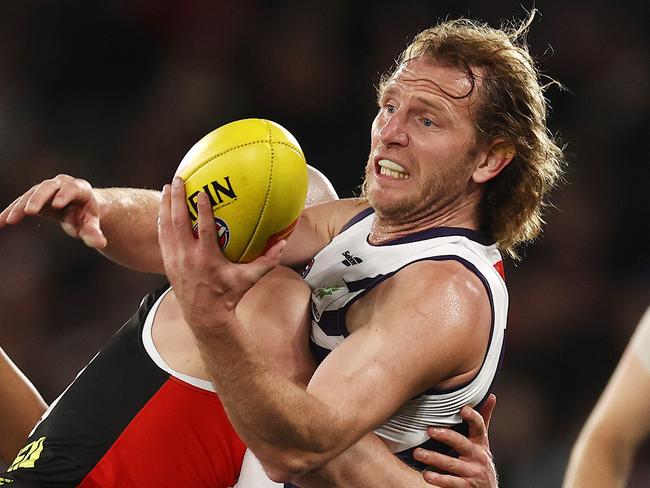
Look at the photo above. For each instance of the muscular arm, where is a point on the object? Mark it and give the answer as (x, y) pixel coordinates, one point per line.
(20, 408)
(604, 451)
(121, 222)
(128, 220)
(294, 431)
(368, 462)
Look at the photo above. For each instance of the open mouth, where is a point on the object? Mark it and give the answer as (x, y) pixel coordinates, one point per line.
(386, 167)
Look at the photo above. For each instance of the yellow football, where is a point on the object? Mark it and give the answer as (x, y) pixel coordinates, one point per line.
(255, 175)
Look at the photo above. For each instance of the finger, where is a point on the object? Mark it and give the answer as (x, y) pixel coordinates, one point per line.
(83, 218)
(206, 228)
(442, 462)
(5, 213)
(444, 480)
(487, 409)
(70, 222)
(458, 442)
(75, 190)
(274, 253)
(91, 233)
(165, 231)
(265, 263)
(475, 422)
(180, 216)
(16, 211)
(45, 193)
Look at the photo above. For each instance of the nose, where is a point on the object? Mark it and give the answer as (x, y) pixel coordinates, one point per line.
(393, 130)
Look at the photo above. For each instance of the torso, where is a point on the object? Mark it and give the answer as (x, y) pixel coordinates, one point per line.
(346, 280)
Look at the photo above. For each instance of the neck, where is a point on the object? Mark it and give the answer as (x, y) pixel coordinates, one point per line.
(386, 228)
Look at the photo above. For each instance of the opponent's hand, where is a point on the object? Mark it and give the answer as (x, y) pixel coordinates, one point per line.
(207, 285)
(474, 466)
(69, 200)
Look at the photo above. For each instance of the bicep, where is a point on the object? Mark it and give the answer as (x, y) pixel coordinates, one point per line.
(410, 342)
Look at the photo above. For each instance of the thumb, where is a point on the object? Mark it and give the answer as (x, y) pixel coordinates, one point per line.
(266, 262)
(487, 409)
(90, 229)
(93, 237)
(274, 253)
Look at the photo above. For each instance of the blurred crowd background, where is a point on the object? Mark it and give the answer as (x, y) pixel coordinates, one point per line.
(116, 92)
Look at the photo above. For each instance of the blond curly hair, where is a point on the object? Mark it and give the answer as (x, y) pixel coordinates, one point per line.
(511, 105)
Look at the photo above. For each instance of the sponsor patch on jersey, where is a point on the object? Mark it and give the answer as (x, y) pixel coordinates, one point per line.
(321, 298)
(28, 455)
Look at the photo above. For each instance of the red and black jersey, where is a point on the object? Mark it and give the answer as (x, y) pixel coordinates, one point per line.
(126, 422)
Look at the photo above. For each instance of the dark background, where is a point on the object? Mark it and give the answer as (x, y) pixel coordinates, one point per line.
(116, 92)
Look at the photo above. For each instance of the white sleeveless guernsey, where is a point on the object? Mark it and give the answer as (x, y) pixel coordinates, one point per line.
(349, 267)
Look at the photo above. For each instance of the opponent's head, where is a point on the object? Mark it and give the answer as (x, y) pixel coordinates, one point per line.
(465, 110)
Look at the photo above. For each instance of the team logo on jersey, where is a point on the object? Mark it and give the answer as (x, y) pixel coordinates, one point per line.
(223, 232)
(28, 455)
(350, 260)
(321, 293)
(321, 298)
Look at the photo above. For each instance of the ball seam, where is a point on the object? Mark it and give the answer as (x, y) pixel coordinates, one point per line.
(251, 143)
(268, 189)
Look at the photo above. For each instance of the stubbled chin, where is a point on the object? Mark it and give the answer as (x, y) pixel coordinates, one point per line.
(386, 203)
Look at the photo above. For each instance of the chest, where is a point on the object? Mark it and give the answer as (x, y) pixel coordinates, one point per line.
(349, 279)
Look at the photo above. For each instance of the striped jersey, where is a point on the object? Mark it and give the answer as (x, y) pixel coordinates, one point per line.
(349, 267)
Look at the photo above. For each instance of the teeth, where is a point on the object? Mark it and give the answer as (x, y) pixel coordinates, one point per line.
(387, 163)
(392, 169)
(393, 174)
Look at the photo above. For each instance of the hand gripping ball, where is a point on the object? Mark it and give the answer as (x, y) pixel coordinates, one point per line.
(255, 175)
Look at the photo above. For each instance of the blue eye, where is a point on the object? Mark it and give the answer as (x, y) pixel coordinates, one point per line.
(427, 122)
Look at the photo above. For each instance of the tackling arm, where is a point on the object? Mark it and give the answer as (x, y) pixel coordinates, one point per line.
(121, 222)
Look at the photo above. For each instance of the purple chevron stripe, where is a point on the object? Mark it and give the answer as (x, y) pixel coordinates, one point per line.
(357, 218)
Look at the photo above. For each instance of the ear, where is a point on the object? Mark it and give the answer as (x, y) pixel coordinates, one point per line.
(498, 156)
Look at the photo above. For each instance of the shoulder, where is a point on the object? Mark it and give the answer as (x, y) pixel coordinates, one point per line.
(441, 288)
(320, 188)
(335, 214)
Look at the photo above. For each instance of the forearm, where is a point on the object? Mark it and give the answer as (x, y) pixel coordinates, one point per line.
(262, 405)
(366, 463)
(128, 220)
(20, 408)
(597, 460)
(603, 454)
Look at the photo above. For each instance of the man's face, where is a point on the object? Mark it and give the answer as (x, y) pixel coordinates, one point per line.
(423, 148)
